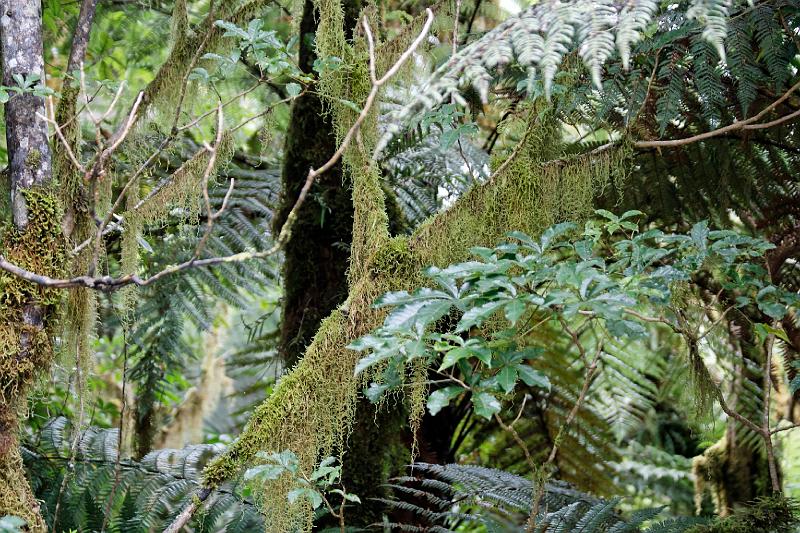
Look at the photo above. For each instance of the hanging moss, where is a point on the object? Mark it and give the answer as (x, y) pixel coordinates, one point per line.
(184, 189)
(535, 191)
(417, 400)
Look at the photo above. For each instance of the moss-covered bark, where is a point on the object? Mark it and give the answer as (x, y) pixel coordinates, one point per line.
(33, 241)
(315, 274)
(316, 255)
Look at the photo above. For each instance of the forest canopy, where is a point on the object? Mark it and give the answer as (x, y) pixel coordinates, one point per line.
(463, 265)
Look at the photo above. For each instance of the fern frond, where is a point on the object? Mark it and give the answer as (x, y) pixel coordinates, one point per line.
(129, 496)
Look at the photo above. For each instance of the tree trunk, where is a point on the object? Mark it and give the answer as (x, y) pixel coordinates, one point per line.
(735, 470)
(33, 242)
(316, 256)
(315, 273)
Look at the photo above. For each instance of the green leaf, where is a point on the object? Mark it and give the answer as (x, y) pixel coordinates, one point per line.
(347, 496)
(762, 330)
(607, 215)
(352, 498)
(631, 213)
(375, 391)
(532, 377)
(454, 355)
(507, 378)
(514, 310)
(476, 315)
(485, 405)
(366, 362)
(699, 234)
(439, 399)
(314, 496)
(267, 472)
(231, 29)
(293, 89)
(349, 104)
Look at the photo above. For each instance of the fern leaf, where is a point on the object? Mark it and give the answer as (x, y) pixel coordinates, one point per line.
(713, 15)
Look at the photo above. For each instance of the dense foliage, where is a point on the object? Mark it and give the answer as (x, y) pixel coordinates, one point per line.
(556, 244)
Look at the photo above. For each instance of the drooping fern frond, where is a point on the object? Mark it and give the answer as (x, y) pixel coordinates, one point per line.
(442, 497)
(425, 176)
(713, 15)
(537, 41)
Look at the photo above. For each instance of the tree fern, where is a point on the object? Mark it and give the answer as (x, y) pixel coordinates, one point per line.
(537, 41)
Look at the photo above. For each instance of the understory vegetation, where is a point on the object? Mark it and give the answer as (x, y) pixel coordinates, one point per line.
(455, 266)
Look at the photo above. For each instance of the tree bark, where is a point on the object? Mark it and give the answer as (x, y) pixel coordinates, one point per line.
(316, 256)
(29, 170)
(26, 134)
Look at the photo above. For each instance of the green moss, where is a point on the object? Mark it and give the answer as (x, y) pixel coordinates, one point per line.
(38, 248)
(26, 346)
(393, 261)
(776, 514)
(33, 159)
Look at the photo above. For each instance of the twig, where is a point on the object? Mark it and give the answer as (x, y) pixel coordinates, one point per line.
(60, 135)
(509, 428)
(211, 215)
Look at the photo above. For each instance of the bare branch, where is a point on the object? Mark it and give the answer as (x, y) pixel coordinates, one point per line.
(751, 123)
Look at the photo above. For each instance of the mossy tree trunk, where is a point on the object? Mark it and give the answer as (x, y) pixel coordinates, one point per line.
(315, 267)
(316, 255)
(24, 339)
